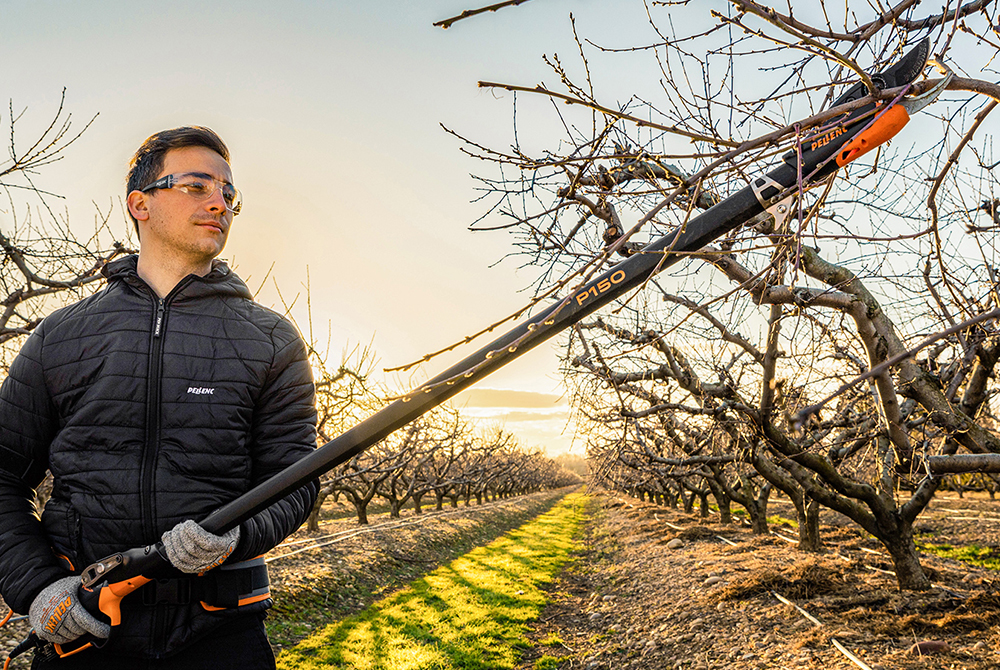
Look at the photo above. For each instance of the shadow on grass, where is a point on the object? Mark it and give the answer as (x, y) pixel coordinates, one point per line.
(469, 614)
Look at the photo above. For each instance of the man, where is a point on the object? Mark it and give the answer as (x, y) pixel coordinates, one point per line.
(153, 403)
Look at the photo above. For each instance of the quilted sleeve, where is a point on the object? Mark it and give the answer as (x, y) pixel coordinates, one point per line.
(27, 425)
(283, 431)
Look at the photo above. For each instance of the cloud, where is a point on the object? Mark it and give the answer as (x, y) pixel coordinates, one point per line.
(537, 419)
(485, 397)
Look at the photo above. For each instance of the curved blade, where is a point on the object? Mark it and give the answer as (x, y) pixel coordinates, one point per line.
(904, 71)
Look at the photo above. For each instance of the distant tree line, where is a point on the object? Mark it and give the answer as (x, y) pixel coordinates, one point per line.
(439, 458)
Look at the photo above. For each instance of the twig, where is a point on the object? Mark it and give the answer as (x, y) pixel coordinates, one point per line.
(854, 659)
(610, 112)
(446, 23)
(802, 418)
(801, 611)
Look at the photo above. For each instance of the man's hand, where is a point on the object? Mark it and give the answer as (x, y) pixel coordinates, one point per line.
(193, 549)
(58, 616)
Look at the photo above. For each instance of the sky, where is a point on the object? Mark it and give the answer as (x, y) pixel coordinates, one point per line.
(332, 111)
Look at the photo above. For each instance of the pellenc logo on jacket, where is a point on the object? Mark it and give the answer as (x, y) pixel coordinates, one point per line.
(200, 390)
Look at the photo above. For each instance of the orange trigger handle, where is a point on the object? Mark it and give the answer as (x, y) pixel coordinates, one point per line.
(881, 131)
(111, 595)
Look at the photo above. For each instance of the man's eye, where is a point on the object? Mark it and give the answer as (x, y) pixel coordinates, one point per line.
(196, 187)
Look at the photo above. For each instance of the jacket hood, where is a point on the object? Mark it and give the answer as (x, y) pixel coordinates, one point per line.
(220, 280)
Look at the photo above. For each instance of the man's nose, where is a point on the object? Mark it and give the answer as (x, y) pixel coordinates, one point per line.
(215, 202)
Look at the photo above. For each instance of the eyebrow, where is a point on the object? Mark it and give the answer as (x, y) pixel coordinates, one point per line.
(205, 175)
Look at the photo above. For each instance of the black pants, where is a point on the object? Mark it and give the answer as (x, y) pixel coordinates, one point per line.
(243, 647)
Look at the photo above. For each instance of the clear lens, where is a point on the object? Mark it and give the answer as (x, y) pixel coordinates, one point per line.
(202, 189)
(233, 198)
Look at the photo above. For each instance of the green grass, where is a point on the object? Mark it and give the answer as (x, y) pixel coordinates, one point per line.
(469, 614)
(550, 640)
(778, 520)
(547, 662)
(303, 608)
(774, 519)
(973, 554)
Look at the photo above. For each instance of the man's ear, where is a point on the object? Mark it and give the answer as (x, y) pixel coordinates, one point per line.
(137, 205)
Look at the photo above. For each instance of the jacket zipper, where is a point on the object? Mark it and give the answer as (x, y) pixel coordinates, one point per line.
(158, 638)
(151, 448)
(152, 424)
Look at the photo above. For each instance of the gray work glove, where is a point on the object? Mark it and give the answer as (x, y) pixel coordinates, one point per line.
(58, 616)
(193, 549)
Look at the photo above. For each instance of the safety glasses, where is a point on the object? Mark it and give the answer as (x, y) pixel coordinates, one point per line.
(200, 186)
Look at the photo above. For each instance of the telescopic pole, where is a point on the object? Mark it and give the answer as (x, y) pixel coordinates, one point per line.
(844, 140)
(619, 280)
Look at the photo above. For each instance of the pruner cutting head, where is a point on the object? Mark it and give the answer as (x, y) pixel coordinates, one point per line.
(905, 71)
(854, 133)
(914, 104)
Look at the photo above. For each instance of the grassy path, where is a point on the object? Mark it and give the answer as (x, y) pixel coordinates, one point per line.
(469, 614)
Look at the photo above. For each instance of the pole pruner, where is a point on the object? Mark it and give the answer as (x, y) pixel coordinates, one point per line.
(843, 139)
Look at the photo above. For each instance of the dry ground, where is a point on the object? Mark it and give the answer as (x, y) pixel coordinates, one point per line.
(630, 601)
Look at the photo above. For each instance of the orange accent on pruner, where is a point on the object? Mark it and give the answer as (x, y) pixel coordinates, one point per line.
(883, 130)
(6, 618)
(68, 562)
(64, 654)
(111, 596)
(244, 601)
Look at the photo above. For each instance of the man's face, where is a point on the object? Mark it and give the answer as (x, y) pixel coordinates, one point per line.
(176, 223)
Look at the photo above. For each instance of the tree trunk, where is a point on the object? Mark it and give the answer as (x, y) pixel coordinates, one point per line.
(688, 503)
(725, 510)
(703, 505)
(909, 575)
(758, 519)
(760, 507)
(416, 504)
(313, 524)
(672, 499)
(808, 518)
(361, 507)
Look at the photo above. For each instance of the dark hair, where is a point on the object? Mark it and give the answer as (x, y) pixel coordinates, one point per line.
(145, 166)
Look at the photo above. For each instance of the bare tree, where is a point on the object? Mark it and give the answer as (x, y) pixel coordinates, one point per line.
(45, 263)
(741, 368)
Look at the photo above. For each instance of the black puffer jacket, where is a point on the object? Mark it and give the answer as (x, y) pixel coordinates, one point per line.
(149, 412)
